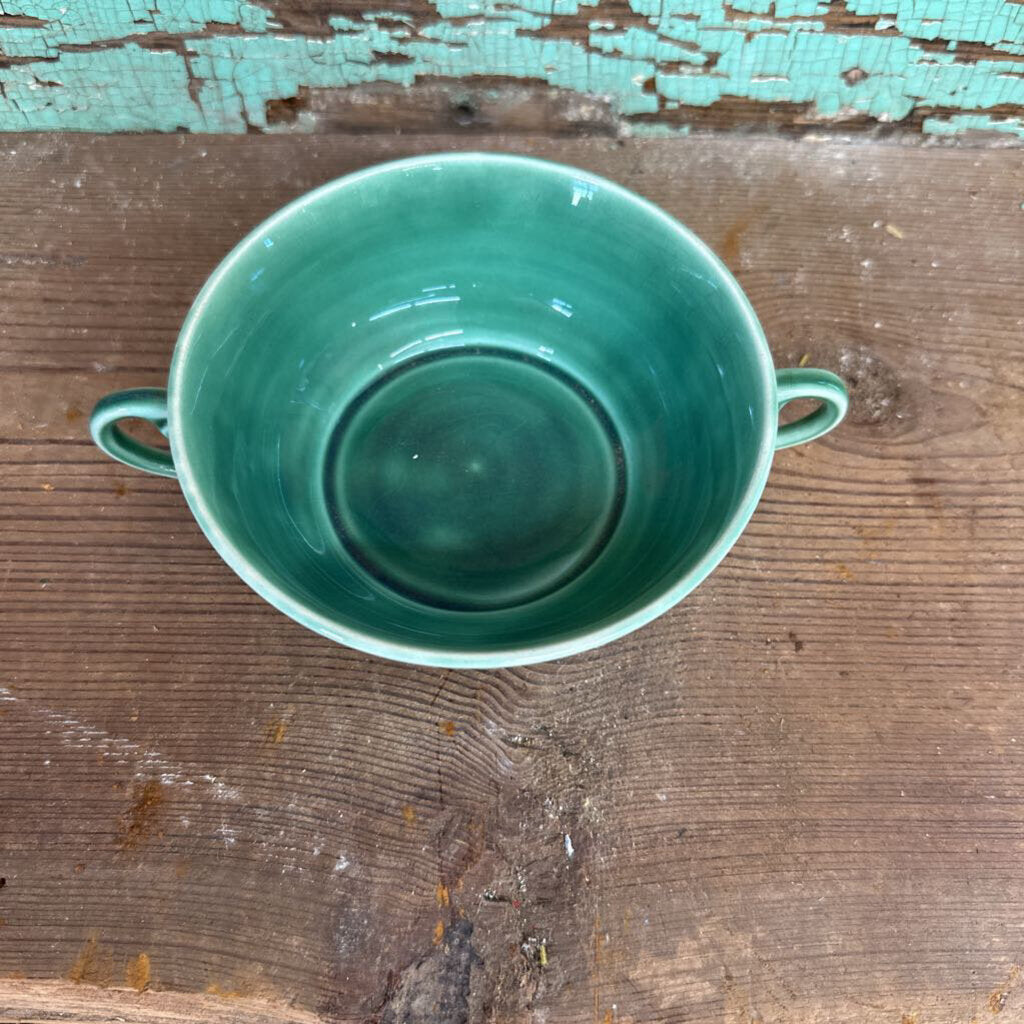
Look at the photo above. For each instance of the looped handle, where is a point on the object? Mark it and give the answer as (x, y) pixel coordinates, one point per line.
(140, 403)
(807, 383)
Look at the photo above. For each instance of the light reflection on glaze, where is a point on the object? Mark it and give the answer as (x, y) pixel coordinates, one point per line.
(400, 307)
(405, 348)
(317, 548)
(582, 190)
(389, 311)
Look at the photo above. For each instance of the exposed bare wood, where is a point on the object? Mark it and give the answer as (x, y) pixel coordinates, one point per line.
(29, 1002)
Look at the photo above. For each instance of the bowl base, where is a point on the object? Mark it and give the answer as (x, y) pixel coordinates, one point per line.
(475, 478)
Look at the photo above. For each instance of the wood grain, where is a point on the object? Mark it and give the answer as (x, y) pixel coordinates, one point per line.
(795, 798)
(36, 1002)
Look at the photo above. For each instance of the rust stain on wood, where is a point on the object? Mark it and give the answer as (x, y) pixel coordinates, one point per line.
(730, 250)
(246, 983)
(94, 964)
(137, 972)
(140, 820)
(998, 997)
(275, 732)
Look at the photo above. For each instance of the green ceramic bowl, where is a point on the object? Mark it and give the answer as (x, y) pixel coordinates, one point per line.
(471, 410)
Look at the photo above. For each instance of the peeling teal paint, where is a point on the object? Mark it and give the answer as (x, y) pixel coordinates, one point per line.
(997, 24)
(958, 123)
(80, 22)
(234, 58)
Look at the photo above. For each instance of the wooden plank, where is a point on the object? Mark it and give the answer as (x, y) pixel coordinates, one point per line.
(794, 798)
(36, 1002)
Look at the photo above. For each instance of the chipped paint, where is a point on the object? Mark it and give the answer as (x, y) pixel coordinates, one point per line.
(214, 65)
(958, 123)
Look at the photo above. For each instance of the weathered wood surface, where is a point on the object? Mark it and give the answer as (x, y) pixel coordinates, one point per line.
(942, 68)
(29, 1002)
(799, 797)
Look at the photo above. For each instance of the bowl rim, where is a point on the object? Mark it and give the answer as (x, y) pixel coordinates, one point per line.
(440, 656)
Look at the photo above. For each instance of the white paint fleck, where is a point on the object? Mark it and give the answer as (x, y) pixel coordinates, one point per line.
(228, 834)
(570, 850)
(170, 779)
(662, 797)
(341, 863)
(79, 735)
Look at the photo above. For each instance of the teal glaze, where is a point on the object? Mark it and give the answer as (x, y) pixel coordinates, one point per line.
(826, 387)
(138, 403)
(475, 477)
(472, 410)
(86, 66)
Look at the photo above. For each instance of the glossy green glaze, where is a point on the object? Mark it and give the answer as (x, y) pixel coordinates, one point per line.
(472, 410)
(138, 403)
(809, 383)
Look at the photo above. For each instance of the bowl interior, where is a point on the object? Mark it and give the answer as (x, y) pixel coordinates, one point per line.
(471, 409)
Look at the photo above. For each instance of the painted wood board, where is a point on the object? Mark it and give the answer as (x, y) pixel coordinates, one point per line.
(796, 798)
(944, 68)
